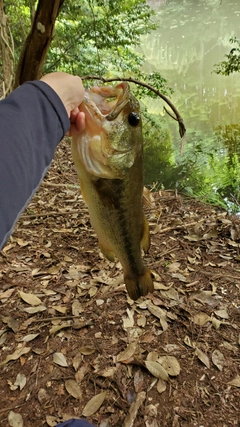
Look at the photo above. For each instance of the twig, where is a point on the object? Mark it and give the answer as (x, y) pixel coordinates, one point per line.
(190, 224)
(52, 184)
(182, 129)
(49, 319)
(54, 213)
(10, 408)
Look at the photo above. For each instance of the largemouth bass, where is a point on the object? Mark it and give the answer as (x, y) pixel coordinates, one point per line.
(109, 161)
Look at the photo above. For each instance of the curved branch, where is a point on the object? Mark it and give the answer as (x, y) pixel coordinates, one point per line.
(177, 117)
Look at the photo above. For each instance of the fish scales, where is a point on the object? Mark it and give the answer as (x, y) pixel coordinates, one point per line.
(112, 186)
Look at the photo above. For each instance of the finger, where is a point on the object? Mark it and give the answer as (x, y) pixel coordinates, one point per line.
(78, 126)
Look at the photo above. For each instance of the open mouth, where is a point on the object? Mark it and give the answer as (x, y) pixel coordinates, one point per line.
(109, 101)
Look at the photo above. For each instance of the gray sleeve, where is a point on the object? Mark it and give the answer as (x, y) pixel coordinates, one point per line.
(33, 120)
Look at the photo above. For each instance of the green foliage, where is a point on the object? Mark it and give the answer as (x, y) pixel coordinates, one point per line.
(232, 64)
(93, 37)
(19, 19)
(98, 37)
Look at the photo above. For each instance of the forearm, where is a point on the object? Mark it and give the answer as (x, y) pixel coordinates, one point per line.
(33, 120)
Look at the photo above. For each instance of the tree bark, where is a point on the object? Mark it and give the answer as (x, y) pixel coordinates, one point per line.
(37, 43)
(6, 49)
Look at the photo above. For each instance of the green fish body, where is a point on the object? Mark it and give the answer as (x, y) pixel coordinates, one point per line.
(108, 157)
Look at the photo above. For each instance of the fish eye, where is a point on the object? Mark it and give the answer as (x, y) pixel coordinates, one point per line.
(133, 119)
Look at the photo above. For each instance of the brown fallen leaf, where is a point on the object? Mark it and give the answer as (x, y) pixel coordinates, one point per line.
(7, 294)
(235, 382)
(60, 359)
(29, 298)
(73, 389)
(94, 404)
(203, 357)
(170, 364)
(16, 355)
(161, 386)
(218, 359)
(127, 353)
(200, 318)
(15, 419)
(156, 370)
(11, 322)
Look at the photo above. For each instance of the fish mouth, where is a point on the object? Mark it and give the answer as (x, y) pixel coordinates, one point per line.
(104, 151)
(107, 101)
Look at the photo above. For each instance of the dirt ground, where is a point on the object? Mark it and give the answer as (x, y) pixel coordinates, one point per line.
(72, 344)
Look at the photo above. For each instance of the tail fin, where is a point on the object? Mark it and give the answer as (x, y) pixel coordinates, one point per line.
(139, 285)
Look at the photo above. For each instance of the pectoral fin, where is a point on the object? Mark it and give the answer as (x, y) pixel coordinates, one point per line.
(145, 242)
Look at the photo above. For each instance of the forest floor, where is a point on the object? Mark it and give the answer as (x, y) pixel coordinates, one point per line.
(72, 343)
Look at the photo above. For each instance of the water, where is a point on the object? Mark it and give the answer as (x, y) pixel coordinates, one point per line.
(191, 38)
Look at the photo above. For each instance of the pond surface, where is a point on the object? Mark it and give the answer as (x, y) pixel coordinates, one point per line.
(192, 37)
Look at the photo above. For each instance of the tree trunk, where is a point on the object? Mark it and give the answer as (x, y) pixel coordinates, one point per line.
(37, 43)
(6, 49)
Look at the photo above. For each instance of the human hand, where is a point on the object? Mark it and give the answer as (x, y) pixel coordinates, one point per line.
(70, 90)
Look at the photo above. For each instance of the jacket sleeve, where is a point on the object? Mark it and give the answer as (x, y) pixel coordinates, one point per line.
(33, 120)
(75, 423)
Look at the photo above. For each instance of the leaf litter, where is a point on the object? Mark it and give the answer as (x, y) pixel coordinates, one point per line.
(72, 342)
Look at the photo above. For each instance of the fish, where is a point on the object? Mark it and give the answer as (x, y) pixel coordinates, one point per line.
(108, 156)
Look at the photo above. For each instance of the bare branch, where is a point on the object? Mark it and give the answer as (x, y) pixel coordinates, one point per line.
(177, 117)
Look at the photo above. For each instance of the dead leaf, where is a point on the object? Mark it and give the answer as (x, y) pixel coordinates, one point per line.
(127, 353)
(222, 313)
(128, 322)
(11, 322)
(156, 370)
(188, 341)
(60, 308)
(73, 389)
(77, 308)
(15, 419)
(43, 396)
(235, 382)
(218, 359)
(60, 359)
(33, 310)
(141, 321)
(51, 421)
(3, 339)
(173, 267)
(56, 328)
(94, 404)
(200, 318)
(30, 299)
(77, 360)
(107, 372)
(16, 355)
(7, 294)
(216, 322)
(161, 386)
(86, 351)
(203, 357)
(20, 381)
(160, 314)
(170, 364)
(29, 337)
